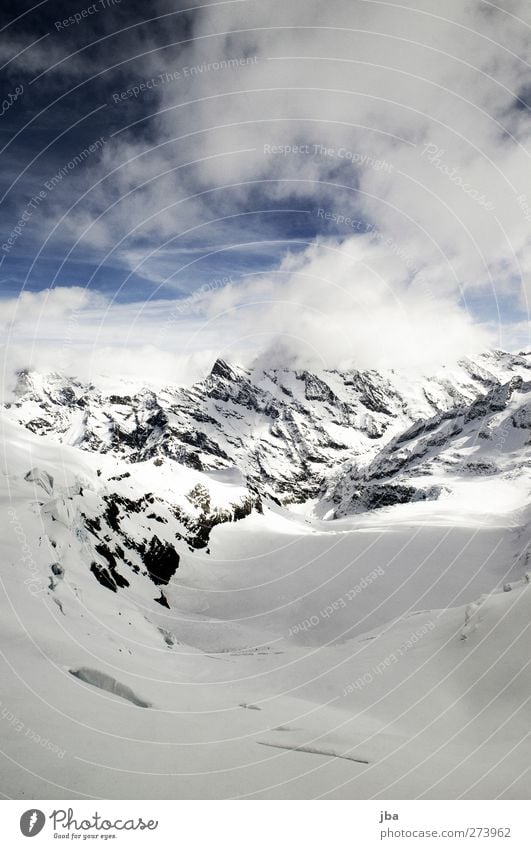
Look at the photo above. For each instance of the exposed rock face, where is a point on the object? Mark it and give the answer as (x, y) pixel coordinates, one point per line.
(161, 561)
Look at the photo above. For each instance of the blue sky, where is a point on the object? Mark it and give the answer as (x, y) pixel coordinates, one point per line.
(362, 168)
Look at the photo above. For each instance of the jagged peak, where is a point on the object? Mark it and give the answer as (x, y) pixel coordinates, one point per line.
(221, 368)
(227, 371)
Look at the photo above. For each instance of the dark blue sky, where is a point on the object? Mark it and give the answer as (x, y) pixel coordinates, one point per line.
(71, 79)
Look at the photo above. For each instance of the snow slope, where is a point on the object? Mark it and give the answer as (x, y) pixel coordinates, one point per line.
(255, 651)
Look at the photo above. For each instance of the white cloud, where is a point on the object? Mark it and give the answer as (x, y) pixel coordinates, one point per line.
(76, 332)
(349, 304)
(379, 81)
(30, 309)
(430, 92)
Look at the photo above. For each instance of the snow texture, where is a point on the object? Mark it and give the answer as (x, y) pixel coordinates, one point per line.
(270, 585)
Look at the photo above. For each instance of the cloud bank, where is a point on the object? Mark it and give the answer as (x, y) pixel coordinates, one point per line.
(359, 172)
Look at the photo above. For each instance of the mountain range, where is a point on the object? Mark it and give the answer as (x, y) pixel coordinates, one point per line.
(269, 556)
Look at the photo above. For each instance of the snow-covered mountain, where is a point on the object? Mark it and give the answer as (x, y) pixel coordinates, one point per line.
(204, 598)
(491, 436)
(283, 430)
